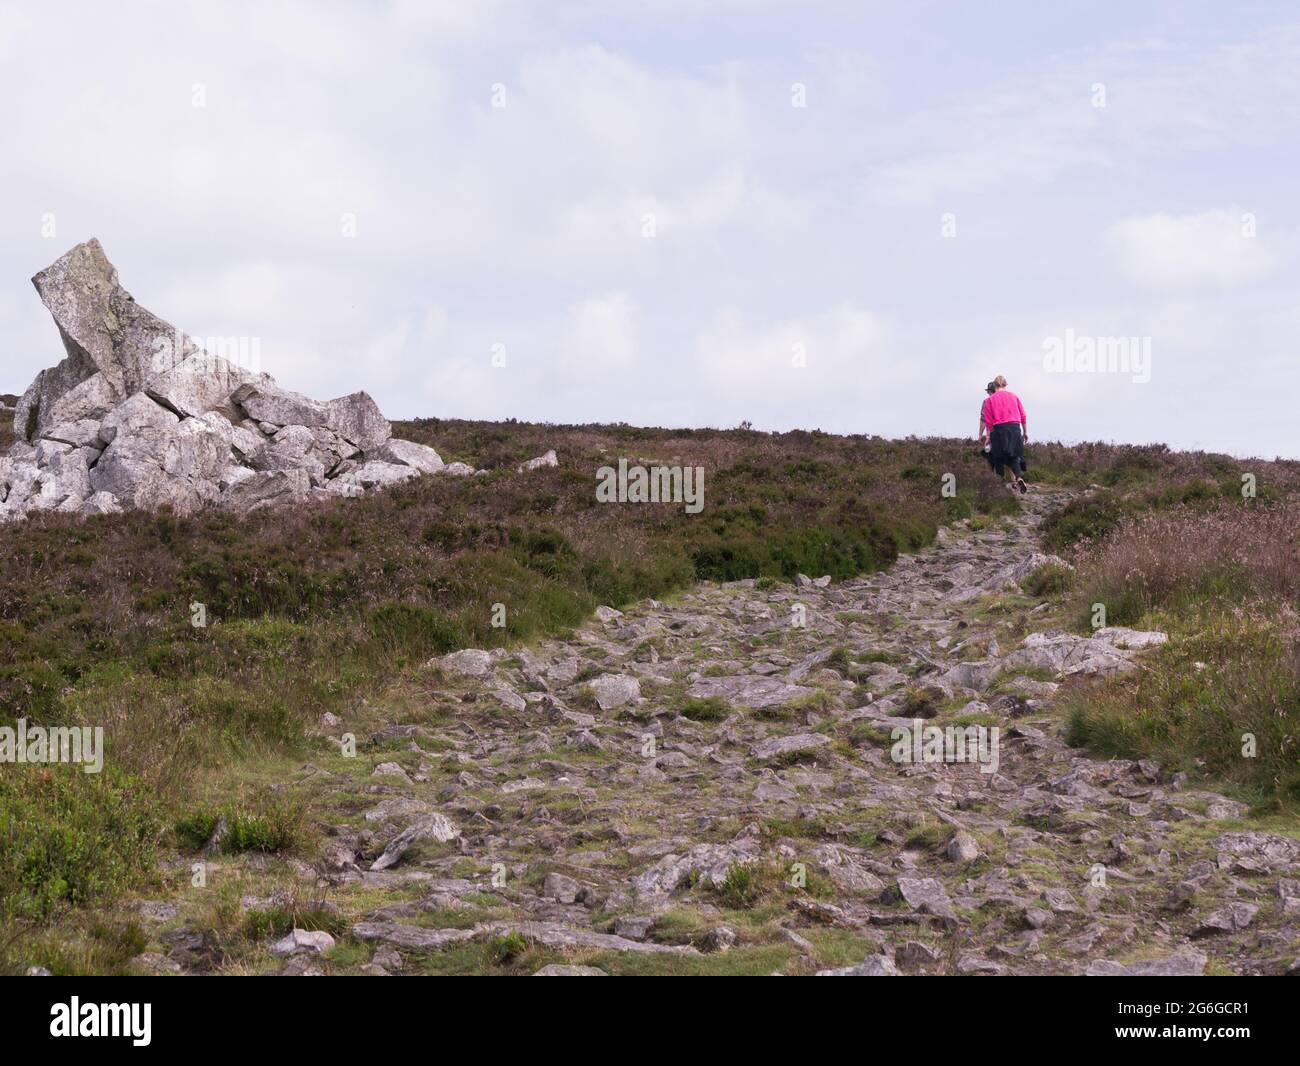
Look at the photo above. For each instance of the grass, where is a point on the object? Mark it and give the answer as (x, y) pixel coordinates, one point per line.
(744, 885)
(1222, 698)
(1235, 717)
(276, 921)
(706, 709)
(1050, 579)
(273, 829)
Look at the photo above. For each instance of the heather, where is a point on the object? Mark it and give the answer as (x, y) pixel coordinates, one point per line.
(1132, 481)
(1223, 697)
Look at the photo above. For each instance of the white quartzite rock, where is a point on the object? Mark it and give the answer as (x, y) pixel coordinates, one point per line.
(156, 421)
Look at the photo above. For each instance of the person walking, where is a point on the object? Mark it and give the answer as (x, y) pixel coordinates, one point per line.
(986, 449)
(1002, 419)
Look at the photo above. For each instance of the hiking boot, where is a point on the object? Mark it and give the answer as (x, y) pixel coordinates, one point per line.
(1020, 484)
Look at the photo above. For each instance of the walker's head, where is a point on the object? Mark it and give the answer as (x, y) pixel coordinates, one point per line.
(991, 388)
(1000, 382)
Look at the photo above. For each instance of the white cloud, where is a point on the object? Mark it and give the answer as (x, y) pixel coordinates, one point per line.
(820, 366)
(1214, 248)
(774, 225)
(601, 337)
(1161, 99)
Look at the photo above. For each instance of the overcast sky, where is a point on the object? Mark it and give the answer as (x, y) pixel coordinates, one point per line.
(625, 204)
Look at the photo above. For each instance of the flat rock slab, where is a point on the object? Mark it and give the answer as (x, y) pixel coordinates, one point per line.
(711, 862)
(549, 934)
(1185, 963)
(555, 935)
(614, 690)
(431, 826)
(469, 662)
(1066, 654)
(410, 936)
(748, 690)
(775, 748)
(301, 941)
(871, 966)
(926, 895)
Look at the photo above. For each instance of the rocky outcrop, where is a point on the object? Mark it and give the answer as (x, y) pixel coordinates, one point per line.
(138, 415)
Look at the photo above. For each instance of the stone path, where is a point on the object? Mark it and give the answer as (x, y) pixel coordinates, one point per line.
(710, 780)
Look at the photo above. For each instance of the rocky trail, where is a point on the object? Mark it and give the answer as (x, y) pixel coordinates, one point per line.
(706, 786)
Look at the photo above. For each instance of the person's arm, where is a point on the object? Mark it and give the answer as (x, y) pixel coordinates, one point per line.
(1024, 422)
(984, 422)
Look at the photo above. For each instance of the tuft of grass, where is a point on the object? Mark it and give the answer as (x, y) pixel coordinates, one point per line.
(311, 913)
(707, 709)
(744, 885)
(921, 702)
(272, 828)
(507, 947)
(1050, 579)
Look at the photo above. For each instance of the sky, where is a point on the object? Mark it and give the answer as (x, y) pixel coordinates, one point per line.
(845, 216)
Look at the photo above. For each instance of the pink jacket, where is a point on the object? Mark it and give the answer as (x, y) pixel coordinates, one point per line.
(1003, 406)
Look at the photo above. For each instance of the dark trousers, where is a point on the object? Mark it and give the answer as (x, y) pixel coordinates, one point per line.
(1007, 448)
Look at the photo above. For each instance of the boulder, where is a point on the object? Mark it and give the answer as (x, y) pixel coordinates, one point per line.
(1066, 654)
(266, 487)
(560, 888)
(201, 383)
(136, 413)
(1183, 963)
(549, 459)
(419, 456)
(432, 826)
(871, 966)
(962, 847)
(924, 895)
(471, 662)
(100, 503)
(748, 690)
(114, 346)
(303, 941)
(54, 398)
(706, 864)
(82, 433)
(779, 748)
(139, 415)
(71, 471)
(373, 475)
(614, 690)
(356, 417)
(278, 407)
